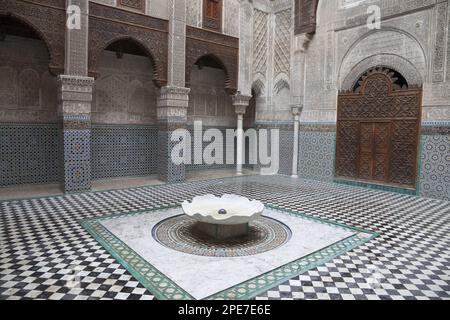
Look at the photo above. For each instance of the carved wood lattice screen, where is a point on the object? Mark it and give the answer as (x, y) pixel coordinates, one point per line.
(212, 14)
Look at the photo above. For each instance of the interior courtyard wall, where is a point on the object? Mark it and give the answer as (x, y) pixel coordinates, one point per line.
(28, 114)
(230, 15)
(154, 8)
(287, 70)
(211, 105)
(124, 131)
(271, 73)
(343, 48)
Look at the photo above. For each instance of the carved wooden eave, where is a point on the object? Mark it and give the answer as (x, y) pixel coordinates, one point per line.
(306, 16)
(201, 42)
(47, 18)
(108, 25)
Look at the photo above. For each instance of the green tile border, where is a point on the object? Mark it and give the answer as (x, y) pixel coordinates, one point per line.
(163, 288)
(374, 186)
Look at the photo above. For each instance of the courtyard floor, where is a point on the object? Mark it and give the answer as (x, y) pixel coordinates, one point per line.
(43, 242)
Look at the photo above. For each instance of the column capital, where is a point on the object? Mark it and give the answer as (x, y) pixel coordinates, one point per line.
(74, 94)
(240, 103)
(75, 83)
(172, 103)
(296, 109)
(302, 42)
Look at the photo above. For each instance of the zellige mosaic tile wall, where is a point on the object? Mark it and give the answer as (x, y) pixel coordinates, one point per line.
(120, 151)
(28, 154)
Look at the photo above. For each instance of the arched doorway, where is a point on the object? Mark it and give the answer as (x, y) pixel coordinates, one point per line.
(28, 107)
(124, 130)
(378, 126)
(211, 105)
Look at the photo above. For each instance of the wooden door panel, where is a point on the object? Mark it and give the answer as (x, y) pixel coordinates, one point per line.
(382, 142)
(365, 150)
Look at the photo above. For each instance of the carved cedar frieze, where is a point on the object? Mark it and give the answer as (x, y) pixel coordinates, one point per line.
(305, 16)
(200, 43)
(133, 4)
(378, 130)
(48, 19)
(108, 25)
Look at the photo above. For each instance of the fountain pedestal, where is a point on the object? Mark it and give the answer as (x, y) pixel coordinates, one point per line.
(223, 231)
(223, 218)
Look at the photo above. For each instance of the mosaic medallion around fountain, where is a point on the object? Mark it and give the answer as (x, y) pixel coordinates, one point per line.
(180, 233)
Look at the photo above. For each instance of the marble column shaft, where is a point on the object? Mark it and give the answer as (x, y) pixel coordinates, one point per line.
(240, 103)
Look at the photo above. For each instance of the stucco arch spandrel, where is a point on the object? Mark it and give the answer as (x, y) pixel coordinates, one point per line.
(382, 48)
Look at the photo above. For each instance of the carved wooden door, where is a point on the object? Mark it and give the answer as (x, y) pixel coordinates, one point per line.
(378, 131)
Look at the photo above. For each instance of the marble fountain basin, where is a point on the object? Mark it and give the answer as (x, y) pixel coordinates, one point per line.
(226, 217)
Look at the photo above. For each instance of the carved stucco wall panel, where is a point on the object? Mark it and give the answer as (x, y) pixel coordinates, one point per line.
(27, 89)
(200, 43)
(194, 13)
(260, 45)
(391, 42)
(208, 100)
(47, 18)
(108, 25)
(282, 41)
(414, 20)
(347, 17)
(124, 92)
(231, 18)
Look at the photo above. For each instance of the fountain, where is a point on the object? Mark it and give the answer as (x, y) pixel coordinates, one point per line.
(226, 226)
(223, 218)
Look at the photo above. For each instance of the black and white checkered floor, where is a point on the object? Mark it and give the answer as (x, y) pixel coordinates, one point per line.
(46, 254)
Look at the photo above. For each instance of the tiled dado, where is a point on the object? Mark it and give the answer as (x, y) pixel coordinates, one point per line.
(317, 151)
(119, 151)
(29, 154)
(285, 146)
(76, 168)
(317, 155)
(168, 171)
(198, 151)
(435, 161)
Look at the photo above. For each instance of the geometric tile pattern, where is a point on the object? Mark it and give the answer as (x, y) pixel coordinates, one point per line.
(286, 148)
(168, 171)
(47, 254)
(28, 154)
(77, 160)
(316, 155)
(285, 145)
(181, 233)
(198, 150)
(435, 167)
(124, 151)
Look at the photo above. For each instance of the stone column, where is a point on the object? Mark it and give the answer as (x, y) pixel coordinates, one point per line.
(74, 102)
(301, 43)
(177, 43)
(172, 115)
(74, 110)
(174, 98)
(240, 103)
(296, 110)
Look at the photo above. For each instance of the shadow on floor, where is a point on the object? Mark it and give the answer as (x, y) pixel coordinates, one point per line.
(47, 190)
